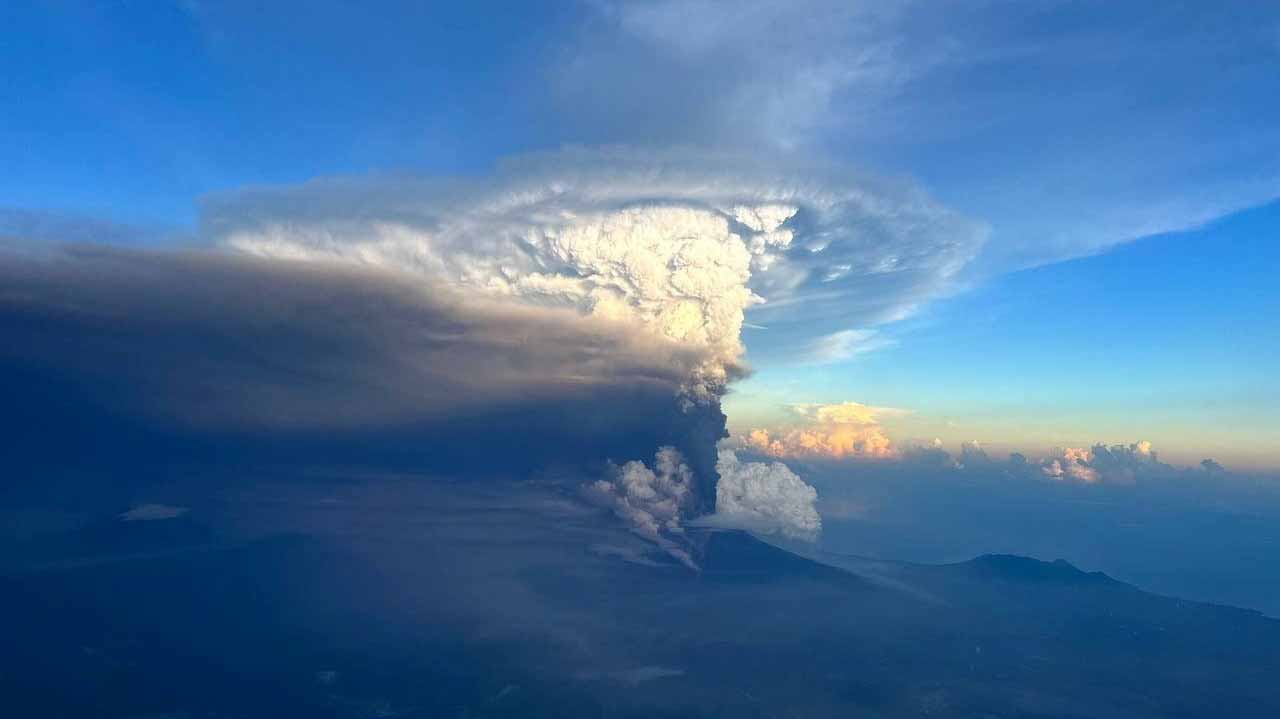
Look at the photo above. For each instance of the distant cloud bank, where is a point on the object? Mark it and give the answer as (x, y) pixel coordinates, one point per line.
(1114, 464)
(865, 440)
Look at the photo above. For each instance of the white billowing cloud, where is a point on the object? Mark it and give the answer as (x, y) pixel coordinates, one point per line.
(767, 498)
(853, 413)
(832, 431)
(680, 244)
(651, 501)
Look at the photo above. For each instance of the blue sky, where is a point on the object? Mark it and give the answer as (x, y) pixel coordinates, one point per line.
(133, 110)
(1173, 339)
(1066, 130)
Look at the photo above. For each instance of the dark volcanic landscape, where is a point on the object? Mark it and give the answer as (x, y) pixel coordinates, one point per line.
(397, 596)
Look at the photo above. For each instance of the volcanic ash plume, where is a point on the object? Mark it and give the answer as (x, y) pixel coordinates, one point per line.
(651, 500)
(679, 272)
(678, 247)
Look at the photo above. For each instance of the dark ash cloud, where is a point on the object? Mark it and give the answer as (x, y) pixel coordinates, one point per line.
(131, 363)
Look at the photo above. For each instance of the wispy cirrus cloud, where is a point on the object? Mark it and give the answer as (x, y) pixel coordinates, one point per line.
(845, 345)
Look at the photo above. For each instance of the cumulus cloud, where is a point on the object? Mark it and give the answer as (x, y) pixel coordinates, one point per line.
(1118, 463)
(1070, 463)
(832, 431)
(767, 498)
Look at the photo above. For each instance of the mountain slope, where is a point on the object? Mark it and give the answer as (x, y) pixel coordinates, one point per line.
(447, 602)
